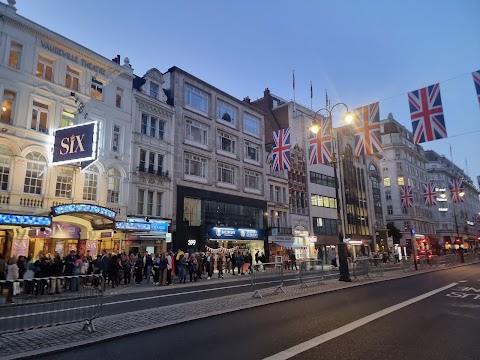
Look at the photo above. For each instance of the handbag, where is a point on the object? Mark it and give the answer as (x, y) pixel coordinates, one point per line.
(16, 288)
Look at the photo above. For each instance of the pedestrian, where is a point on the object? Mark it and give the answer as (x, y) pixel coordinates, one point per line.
(12, 276)
(220, 266)
(293, 260)
(148, 266)
(156, 269)
(240, 261)
(182, 271)
(234, 262)
(56, 269)
(209, 266)
(169, 267)
(228, 262)
(138, 270)
(163, 270)
(193, 268)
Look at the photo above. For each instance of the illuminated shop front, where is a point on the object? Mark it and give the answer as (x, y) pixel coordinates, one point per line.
(243, 241)
(146, 235)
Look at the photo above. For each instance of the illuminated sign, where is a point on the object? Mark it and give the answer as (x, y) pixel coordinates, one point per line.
(440, 189)
(442, 199)
(83, 208)
(191, 242)
(442, 209)
(156, 226)
(56, 231)
(136, 226)
(235, 234)
(12, 219)
(470, 222)
(76, 143)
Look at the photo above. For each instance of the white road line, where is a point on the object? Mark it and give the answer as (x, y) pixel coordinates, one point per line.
(309, 344)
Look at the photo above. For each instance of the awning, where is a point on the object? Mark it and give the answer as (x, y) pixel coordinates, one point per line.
(289, 244)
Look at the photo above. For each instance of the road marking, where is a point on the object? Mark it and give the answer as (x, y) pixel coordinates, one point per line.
(309, 344)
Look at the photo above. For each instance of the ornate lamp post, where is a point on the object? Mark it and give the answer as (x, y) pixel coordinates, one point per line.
(342, 249)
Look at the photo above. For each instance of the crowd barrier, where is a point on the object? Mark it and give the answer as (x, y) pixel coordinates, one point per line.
(267, 276)
(50, 301)
(310, 271)
(361, 268)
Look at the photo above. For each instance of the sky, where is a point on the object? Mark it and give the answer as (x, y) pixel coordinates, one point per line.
(360, 52)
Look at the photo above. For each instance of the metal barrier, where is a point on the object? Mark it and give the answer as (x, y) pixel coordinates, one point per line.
(361, 268)
(50, 301)
(376, 267)
(267, 274)
(311, 270)
(452, 259)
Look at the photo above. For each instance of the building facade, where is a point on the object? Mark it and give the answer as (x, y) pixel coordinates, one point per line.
(219, 171)
(152, 149)
(50, 201)
(405, 164)
(456, 223)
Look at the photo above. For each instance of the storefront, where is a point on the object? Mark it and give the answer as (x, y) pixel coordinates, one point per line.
(285, 245)
(243, 241)
(146, 235)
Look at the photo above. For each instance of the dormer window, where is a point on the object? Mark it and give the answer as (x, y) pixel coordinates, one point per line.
(154, 90)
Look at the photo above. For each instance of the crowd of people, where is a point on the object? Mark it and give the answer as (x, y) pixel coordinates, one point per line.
(159, 269)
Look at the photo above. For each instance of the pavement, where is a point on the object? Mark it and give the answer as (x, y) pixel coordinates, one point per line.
(33, 343)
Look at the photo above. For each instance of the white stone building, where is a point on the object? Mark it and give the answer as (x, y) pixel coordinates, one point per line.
(48, 82)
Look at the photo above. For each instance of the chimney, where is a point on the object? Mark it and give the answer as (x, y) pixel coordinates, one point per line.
(116, 59)
(246, 99)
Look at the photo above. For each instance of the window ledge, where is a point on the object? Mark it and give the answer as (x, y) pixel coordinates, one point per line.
(227, 123)
(227, 154)
(194, 178)
(226, 185)
(196, 111)
(250, 161)
(253, 191)
(196, 144)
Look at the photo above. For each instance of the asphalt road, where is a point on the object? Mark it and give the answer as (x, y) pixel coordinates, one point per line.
(441, 326)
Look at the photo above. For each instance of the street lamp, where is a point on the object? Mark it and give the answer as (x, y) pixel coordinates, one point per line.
(348, 118)
(460, 249)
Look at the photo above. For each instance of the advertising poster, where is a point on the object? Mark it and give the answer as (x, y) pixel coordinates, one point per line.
(20, 247)
(91, 245)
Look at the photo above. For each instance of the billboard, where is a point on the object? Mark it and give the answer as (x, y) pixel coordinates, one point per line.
(76, 144)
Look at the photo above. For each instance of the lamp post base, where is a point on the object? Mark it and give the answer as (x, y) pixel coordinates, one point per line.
(342, 263)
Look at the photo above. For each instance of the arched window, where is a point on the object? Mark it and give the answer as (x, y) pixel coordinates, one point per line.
(90, 183)
(114, 180)
(6, 155)
(35, 173)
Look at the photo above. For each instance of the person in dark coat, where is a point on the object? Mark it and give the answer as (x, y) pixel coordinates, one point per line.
(138, 270)
(56, 270)
(293, 260)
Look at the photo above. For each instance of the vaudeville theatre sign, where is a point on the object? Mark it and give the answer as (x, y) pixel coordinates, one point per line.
(76, 144)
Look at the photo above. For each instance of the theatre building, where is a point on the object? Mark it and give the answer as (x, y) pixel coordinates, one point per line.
(218, 168)
(65, 130)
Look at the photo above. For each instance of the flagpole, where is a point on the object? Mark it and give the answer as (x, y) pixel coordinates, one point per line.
(293, 82)
(311, 97)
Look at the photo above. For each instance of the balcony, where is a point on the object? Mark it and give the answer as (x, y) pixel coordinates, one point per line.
(152, 171)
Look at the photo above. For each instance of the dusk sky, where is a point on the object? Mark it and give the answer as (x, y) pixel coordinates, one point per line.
(360, 51)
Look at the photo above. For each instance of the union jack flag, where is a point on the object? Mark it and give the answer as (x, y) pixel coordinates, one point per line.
(320, 148)
(281, 149)
(426, 112)
(456, 188)
(367, 130)
(429, 194)
(476, 81)
(406, 194)
(475, 219)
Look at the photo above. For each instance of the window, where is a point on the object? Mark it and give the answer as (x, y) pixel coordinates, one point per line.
(45, 68)
(323, 201)
(226, 174)
(7, 106)
(96, 89)
(388, 195)
(150, 202)
(15, 54)
(389, 210)
(113, 192)
(277, 193)
(252, 151)
(399, 166)
(63, 187)
(153, 126)
(39, 117)
(196, 98)
(159, 204)
(34, 175)
(118, 97)
(385, 170)
(160, 165)
(252, 180)
(6, 155)
(143, 160)
(151, 162)
(401, 181)
(196, 132)
(144, 124)
(68, 119)
(251, 124)
(322, 226)
(195, 165)
(386, 182)
(72, 79)
(397, 153)
(116, 138)
(321, 179)
(140, 201)
(161, 129)
(226, 142)
(154, 90)
(226, 112)
(90, 184)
